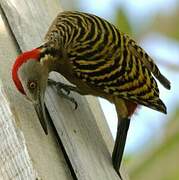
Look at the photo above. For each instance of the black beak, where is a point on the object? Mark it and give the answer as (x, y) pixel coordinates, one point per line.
(40, 109)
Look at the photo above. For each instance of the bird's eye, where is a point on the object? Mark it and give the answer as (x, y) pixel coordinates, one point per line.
(32, 84)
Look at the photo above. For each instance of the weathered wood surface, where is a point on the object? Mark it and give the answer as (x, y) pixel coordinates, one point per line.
(13, 152)
(25, 153)
(87, 142)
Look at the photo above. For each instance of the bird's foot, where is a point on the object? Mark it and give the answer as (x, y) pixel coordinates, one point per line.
(64, 90)
(60, 85)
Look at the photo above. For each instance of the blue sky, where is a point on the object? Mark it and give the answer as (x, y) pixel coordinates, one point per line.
(147, 125)
(135, 8)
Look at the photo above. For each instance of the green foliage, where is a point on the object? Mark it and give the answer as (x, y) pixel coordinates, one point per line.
(165, 156)
(122, 22)
(167, 24)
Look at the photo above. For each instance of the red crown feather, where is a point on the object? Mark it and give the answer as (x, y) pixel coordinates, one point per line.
(24, 57)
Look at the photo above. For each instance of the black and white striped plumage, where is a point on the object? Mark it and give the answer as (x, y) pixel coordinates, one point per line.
(105, 58)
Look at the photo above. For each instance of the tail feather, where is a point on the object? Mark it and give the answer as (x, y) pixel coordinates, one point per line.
(149, 63)
(123, 126)
(157, 105)
(161, 106)
(156, 72)
(163, 80)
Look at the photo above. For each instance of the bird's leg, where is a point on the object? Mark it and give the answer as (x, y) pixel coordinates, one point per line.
(61, 87)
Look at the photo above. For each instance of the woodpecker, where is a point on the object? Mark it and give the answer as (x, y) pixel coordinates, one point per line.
(98, 60)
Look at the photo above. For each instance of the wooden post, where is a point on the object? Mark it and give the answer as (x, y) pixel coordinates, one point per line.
(79, 143)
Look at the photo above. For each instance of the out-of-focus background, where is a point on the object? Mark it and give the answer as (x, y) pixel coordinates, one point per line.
(152, 149)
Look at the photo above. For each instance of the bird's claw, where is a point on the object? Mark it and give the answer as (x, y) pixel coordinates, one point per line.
(61, 87)
(64, 87)
(66, 96)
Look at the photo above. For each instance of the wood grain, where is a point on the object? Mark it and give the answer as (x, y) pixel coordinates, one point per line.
(25, 153)
(14, 158)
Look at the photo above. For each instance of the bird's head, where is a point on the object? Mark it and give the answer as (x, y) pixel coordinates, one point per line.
(30, 76)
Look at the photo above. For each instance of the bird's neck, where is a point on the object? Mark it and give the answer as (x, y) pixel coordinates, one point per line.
(51, 57)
